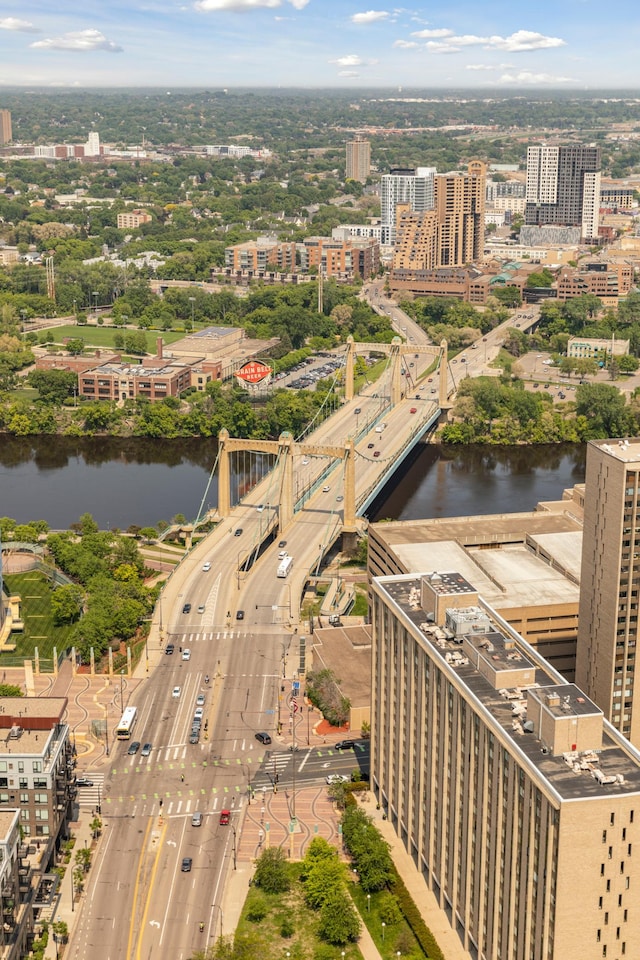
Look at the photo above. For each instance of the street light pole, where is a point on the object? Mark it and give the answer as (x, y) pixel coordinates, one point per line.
(95, 303)
(235, 867)
(122, 690)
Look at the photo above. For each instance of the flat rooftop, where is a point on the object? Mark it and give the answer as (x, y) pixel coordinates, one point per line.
(571, 779)
(628, 451)
(347, 651)
(14, 709)
(7, 819)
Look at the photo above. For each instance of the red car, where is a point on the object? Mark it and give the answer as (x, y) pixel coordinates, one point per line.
(225, 817)
(413, 410)
(376, 453)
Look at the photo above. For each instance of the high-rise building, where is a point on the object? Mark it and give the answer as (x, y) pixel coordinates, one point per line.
(5, 127)
(406, 186)
(514, 797)
(449, 235)
(563, 187)
(358, 159)
(607, 663)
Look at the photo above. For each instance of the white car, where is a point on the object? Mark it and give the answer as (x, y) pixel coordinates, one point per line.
(337, 778)
(326, 489)
(206, 566)
(186, 654)
(305, 461)
(176, 693)
(199, 713)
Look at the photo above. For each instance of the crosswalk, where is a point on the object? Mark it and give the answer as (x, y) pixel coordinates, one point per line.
(91, 796)
(207, 636)
(184, 804)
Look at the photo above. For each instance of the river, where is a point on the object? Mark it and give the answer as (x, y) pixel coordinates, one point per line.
(140, 481)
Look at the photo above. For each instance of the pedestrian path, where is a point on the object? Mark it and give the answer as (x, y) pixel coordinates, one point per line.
(92, 796)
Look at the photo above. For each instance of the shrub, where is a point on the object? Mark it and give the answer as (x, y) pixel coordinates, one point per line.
(258, 910)
(287, 928)
(271, 871)
(388, 909)
(414, 918)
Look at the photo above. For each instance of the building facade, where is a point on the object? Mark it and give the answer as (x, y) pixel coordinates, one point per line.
(6, 134)
(133, 219)
(606, 661)
(563, 187)
(516, 800)
(358, 159)
(414, 188)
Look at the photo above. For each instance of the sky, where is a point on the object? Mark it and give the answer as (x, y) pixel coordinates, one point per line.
(497, 46)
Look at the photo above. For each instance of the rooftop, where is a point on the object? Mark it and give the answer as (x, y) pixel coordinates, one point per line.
(484, 657)
(626, 450)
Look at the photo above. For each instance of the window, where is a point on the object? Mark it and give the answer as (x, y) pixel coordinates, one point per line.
(40, 798)
(23, 783)
(24, 798)
(42, 814)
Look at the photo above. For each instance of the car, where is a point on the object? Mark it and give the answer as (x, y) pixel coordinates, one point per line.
(326, 488)
(412, 364)
(146, 750)
(282, 554)
(83, 782)
(196, 819)
(263, 737)
(463, 359)
(378, 429)
(376, 453)
(357, 410)
(344, 745)
(240, 615)
(305, 461)
(433, 390)
(199, 713)
(370, 446)
(175, 693)
(260, 507)
(337, 778)
(535, 386)
(413, 410)
(186, 654)
(282, 543)
(196, 724)
(133, 747)
(194, 736)
(225, 817)
(206, 566)
(187, 863)
(484, 339)
(201, 608)
(169, 649)
(339, 499)
(186, 608)
(562, 395)
(429, 379)
(238, 532)
(200, 700)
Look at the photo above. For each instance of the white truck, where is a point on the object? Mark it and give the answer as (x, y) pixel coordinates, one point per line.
(285, 566)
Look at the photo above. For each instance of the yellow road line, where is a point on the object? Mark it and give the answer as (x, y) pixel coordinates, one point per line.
(143, 851)
(151, 883)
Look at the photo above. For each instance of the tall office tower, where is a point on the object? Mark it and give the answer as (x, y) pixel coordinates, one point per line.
(92, 146)
(607, 662)
(513, 796)
(413, 187)
(5, 127)
(563, 187)
(460, 205)
(358, 159)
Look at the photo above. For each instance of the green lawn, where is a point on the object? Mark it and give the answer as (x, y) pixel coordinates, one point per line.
(95, 336)
(39, 630)
(397, 936)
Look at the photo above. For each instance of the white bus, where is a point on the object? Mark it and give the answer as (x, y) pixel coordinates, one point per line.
(285, 566)
(127, 723)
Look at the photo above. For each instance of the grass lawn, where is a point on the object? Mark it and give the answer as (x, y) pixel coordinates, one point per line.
(288, 912)
(361, 606)
(95, 336)
(30, 394)
(397, 936)
(39, 630)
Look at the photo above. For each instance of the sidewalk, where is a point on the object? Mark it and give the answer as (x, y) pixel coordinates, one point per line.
(62, 908)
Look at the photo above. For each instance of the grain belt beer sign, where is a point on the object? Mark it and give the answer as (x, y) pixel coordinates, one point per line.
(253, 372)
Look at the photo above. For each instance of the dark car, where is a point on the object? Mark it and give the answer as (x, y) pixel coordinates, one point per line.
(169, 649)
(186, 608)
(344, 745)
(370, 446)
(240, 615)
(134, 747)
(238, 532)
(263, 737)
(146, 750)
(83, 782)
(194, 736)
(186, 864)
(282, 543)
(376, 453)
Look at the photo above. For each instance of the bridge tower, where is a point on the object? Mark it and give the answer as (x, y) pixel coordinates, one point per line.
(285, 442)
(224, 474)
(349, 528)
(348, 372)
(444, 371)
(397, 385)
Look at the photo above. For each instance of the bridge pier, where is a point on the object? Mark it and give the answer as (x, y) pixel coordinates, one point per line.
(348, 373)
(397, 391)
(224, 475)
(286, 494)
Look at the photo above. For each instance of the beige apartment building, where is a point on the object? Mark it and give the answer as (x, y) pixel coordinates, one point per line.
(358, 159)
(517, 801)
(606, 665)
(133, 219)
(5, 127)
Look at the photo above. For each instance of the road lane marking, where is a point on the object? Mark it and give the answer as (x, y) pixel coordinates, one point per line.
(136, 888)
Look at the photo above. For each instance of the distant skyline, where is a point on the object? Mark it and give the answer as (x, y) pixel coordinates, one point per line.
(318, 43)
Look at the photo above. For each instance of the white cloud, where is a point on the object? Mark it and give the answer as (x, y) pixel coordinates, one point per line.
(349, 74)
(433, 47)
(351, 60)
(523, 40)
(10, 23)
(406, 44)
(469, 40)
(432, 34)
(216, 6)
(525, 77)
(82, 41)
(369, 16)
(479, 66)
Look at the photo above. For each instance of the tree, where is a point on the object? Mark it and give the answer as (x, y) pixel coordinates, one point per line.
(339, 921)
(66, 604)
(324, 878)
(10, 690)
(271, 871)
(75, 346)
(53, 386)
